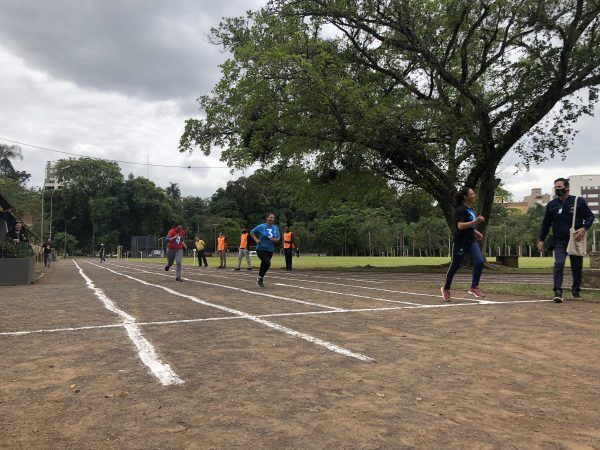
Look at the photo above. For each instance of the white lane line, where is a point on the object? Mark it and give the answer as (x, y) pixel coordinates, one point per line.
(328, 345)
(481, 302)
(346, 294)
(146, 351)
(59, 330)
(305, 313)
(262, 294)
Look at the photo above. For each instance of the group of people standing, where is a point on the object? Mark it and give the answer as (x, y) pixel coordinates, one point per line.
(265, 236)
(568, 216)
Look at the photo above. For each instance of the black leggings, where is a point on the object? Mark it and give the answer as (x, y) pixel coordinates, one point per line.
(265, 261)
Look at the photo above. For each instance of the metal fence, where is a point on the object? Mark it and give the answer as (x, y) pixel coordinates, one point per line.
(146, 246)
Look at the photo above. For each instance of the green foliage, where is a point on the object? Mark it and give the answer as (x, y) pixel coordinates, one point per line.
(7, 170)
(59, 243)
(10, 249)
(432, 94)
(26, 201)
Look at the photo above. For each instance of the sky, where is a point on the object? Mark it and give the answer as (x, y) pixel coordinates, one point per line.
(117, 79)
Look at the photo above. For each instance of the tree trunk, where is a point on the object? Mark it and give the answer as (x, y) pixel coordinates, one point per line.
(487, 189)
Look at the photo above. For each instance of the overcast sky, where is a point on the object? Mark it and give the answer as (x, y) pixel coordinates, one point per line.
(117, 79)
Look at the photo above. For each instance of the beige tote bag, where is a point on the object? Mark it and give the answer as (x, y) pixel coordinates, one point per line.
(574, 247)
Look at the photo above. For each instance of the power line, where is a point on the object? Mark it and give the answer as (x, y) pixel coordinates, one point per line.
(112, 160)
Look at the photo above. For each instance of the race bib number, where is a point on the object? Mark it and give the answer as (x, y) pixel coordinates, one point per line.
(270, 232)
(178, 240)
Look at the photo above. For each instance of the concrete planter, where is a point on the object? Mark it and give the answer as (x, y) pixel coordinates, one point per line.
(15, 271)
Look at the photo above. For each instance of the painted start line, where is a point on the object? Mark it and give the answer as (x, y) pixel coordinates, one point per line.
(163, 371)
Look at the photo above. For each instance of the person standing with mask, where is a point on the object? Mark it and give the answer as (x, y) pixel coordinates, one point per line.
(266, 235)
(464, 242)
(559, 216)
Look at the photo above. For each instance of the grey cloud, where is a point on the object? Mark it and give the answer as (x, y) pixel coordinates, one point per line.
(149, 49)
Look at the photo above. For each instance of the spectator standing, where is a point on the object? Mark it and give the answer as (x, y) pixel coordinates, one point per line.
(222, 250)
(200, 249)
(288, 247)
(559, 216)
(243, 250)
(17, 234)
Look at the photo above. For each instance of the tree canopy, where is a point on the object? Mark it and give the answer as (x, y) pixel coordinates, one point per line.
(431, 93)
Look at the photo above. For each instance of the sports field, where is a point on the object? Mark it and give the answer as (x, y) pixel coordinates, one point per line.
(120, 355)
(358, 262)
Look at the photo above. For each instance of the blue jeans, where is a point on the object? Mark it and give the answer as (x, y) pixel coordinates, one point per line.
(560, 256)
(459, 252)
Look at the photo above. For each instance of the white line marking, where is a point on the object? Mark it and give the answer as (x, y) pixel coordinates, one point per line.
(305, 313)
(263, 294)
(146, 351)
(269, 324)
(346, 294)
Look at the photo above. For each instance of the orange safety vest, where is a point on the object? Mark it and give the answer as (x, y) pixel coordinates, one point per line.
(221, 245)
(244, 241)
(287, 239)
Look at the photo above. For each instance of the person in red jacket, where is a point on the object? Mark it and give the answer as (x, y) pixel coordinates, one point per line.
(175, 244)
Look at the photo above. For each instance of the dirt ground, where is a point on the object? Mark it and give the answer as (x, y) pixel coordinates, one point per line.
(284, 371)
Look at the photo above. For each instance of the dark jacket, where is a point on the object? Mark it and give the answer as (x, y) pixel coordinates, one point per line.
(17, 235)
(559, 215)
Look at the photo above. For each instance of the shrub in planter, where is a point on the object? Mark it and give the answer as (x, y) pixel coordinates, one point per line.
(16, 263)
(10, 249)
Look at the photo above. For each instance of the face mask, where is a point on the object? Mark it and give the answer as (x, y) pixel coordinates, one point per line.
(560, 192)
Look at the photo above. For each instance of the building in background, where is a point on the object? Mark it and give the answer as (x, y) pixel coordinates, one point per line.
(50, 181)
(588, 187)
(537, 198)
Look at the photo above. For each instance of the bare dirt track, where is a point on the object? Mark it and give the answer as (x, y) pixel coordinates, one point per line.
(284, 370)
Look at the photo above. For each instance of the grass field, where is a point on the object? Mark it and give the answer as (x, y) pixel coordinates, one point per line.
(401, 264)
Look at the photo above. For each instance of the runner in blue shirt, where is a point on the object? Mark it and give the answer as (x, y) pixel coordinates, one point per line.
(266, 235)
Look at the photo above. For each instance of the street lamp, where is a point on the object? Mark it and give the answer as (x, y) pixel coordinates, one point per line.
(216, 225)
(65, 243)
(51, 198)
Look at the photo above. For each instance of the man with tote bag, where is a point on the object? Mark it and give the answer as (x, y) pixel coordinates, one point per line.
(570, 218)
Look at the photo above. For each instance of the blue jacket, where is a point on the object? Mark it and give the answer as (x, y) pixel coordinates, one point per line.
(559, 215)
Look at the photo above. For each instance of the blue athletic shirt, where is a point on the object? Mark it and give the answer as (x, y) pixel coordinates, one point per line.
(263, 232)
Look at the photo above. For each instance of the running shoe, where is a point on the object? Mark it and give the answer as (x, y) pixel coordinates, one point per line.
(576, 295)
(178, 279)
(558, 296)
(259, 281)
(476, 292)
(166, 268)
(445, 294)
(237, 268)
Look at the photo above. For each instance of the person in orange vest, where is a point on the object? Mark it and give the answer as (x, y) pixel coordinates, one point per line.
(222, 250)
(243, 250)
(288, 247)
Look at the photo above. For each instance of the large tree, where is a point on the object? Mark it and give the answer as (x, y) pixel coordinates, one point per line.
(431, 92)
(7, 170)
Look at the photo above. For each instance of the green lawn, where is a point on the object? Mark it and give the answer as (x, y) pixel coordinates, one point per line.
(412, 264)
